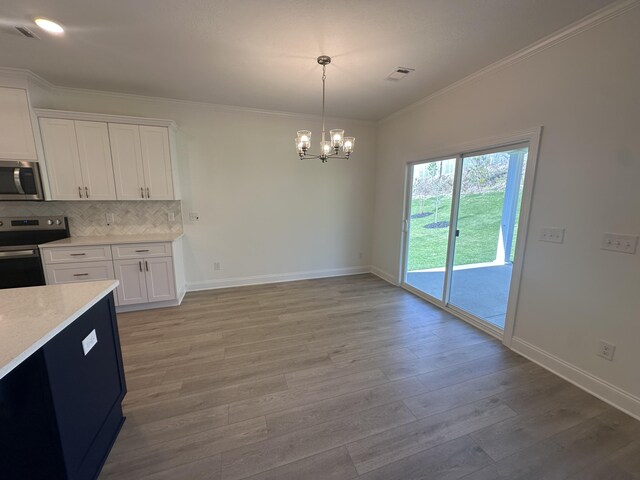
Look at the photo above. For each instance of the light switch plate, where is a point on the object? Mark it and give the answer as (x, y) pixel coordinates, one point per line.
(550, 234)
(616, 242)
(89, 342)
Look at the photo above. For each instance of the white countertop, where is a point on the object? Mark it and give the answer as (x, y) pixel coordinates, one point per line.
(113, 240)
(31, 316)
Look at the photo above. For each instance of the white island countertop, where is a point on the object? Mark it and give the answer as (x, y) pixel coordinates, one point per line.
(31, 316)
(113, 240)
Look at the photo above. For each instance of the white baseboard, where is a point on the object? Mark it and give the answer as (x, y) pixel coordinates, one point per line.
(597, 387)
(275, 278)
(386, 276)
(149, 306)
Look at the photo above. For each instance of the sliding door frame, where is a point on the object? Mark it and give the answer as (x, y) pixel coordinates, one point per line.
(406, 226)
(532, 138)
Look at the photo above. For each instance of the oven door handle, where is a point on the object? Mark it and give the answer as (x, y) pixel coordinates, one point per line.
(16, 180)
(19, 254)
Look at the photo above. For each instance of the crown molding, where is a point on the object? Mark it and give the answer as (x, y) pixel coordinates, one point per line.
(59, 90)
(103, 117)
(596, 18)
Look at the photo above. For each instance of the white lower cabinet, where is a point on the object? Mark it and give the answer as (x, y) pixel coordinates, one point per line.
(133, 285)
(146, 271)
(79, 272)
(161, 285)
(145, 280)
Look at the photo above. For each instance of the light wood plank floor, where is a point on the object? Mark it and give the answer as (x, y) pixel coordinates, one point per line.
(348, 378)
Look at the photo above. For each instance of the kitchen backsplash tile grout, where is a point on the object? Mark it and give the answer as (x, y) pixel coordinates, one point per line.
(88, 218)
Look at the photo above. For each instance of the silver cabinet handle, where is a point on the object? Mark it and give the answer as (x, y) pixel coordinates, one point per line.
(80, 274)
(19, 253)
(140, 265)
(76, 254)
(141, 192)
(146, 264)
(141, 251)
(86, 192)
(148, 193)
(80, 192)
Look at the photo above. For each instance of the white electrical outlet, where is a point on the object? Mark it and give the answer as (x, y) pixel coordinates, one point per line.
(194, 216)
(89, 342)
(110, 218)
(606, 350)
(216, 266)
(171, 216)
(619, 243)
(550, 234)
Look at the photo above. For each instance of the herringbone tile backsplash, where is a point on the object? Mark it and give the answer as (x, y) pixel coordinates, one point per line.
(90, 218)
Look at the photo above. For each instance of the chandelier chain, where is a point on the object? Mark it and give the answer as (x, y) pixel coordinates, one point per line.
(324, 80)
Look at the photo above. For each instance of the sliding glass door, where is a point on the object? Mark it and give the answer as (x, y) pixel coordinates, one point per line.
(487, 219)
(462, 230)
(429, 225)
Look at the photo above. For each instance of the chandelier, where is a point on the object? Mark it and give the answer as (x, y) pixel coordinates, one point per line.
(328, 148)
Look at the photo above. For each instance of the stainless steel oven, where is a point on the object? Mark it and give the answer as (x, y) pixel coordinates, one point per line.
(20, 181)
(20, 262)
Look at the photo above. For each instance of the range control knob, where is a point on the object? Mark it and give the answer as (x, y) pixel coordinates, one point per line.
(1, 224)
(58, 222)
(50, 222)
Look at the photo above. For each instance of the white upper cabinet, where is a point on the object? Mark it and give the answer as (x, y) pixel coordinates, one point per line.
(16, 132)
(108, 157)
(127, 161)
(62, 158)
(156, 162)
(95, 160)
(78, 159)
(141, 162)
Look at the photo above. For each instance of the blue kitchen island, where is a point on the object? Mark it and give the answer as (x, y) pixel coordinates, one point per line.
(61, 381)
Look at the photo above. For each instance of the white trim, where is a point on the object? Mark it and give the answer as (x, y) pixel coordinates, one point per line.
(103, 117)
(597, 387)
(151, 305)
(386, 276)
(57, 90)
(275, 278)
(600, 16)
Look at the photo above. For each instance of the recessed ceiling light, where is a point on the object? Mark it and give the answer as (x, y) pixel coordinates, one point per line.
(49, 26)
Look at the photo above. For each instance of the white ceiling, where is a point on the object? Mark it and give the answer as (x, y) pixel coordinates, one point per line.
(261, 53)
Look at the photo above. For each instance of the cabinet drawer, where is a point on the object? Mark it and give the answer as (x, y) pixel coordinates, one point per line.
(79, 272)
(141, 250)
(76, 254)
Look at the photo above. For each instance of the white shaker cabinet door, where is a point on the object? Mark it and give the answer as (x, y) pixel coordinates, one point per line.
(133, 286)
(95, 160)
(62, 159)
(127, 162)
(161, 284)
(16, 133)
(156, 162)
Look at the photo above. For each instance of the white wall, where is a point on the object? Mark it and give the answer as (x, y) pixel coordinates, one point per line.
(585, 92)
(264, 214)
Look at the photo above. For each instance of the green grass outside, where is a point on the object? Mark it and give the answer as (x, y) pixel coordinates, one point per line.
(479, 225)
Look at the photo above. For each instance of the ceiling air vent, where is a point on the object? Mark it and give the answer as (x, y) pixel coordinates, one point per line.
(399, 73)
(25, 32)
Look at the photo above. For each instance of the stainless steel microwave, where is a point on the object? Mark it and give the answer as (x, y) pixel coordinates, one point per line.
(20, 181)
